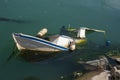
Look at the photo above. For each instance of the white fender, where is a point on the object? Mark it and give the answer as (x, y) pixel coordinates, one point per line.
(42, 32)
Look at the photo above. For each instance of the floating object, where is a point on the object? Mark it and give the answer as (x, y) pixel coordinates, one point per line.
(108, 42)
(82, 31)
(55, 43)
(42, 32)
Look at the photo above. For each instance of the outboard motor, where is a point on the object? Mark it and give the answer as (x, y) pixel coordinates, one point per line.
(42, 32)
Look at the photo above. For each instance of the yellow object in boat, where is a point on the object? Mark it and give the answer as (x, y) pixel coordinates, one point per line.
(80, 41)
(71, 29)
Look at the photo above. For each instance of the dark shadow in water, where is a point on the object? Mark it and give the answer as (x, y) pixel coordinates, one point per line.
(36, 56)
(31, 78)
(5, 19)
(111, 61)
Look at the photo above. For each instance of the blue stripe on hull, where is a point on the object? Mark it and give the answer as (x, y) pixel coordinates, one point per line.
(43, 41)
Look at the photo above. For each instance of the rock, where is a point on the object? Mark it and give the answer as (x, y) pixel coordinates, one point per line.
(102, 76)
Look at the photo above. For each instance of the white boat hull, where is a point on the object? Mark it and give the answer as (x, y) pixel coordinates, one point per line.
(33, 43)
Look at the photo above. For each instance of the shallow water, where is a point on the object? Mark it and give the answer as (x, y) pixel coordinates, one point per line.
(103, 14)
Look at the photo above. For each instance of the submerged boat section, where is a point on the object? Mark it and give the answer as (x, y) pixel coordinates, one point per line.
(66, 40)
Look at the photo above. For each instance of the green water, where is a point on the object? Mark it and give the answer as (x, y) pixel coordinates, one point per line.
(52, 14)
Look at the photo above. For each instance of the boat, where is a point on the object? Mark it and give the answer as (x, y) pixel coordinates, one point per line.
(54, 43)
(28, 42)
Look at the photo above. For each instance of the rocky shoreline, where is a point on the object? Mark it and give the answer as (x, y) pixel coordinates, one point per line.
(105, 70)
(97, 70)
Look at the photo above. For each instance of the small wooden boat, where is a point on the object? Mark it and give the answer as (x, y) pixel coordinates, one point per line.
(38, 44)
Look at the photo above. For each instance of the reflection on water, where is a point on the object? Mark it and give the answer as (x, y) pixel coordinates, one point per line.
(83, 51)
(36, 56)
